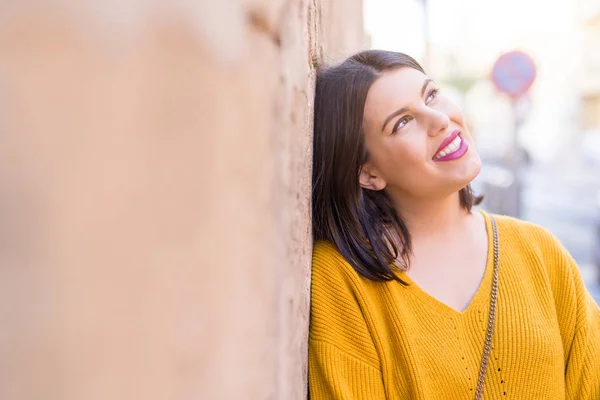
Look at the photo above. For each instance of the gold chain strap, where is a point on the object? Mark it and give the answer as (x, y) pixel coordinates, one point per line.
(492, 317)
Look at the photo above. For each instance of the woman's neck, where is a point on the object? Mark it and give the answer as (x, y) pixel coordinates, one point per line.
(440, 217)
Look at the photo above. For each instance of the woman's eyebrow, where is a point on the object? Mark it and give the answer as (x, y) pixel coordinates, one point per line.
(425, 84)
(404, 109)
(393, 115)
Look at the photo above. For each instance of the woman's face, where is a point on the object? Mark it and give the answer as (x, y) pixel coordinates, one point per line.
(416, 138)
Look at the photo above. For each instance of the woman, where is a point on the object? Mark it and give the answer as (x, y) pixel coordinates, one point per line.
(414, 295)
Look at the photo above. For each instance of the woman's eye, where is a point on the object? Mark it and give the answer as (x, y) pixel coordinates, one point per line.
(432, 95)
(400, 124)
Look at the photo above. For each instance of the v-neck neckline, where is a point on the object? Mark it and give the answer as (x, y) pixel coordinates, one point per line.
(481, 296)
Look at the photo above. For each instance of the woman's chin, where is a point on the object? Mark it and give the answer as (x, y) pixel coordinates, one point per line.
(477, 165)
(467, 169)
(467, 174)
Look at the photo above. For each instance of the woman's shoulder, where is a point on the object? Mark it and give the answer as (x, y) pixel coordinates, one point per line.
(331, 267)
(327, 258)
(535, 243)
(325, 248)
(524, 232)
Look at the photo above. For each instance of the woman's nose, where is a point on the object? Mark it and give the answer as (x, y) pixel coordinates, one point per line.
(438, 122)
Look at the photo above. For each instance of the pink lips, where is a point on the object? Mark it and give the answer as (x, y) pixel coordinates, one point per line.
(448, 140)
(462, 149)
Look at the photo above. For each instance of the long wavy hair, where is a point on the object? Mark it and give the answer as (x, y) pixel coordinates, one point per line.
(363, 224)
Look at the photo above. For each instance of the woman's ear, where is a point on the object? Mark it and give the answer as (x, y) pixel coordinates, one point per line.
(369, 178)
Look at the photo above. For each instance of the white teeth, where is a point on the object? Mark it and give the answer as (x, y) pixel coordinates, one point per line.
(451, 148)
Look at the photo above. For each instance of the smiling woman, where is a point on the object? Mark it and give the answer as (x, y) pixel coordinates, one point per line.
(414, 296)
(385, 129)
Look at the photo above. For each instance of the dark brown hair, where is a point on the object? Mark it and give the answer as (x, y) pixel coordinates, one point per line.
(361, 223)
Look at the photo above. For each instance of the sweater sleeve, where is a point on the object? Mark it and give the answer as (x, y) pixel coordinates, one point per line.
(343, 360)
(334, 374)
(579, 318)
(582, 372)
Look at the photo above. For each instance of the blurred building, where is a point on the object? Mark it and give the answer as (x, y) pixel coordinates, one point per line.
(589, 83)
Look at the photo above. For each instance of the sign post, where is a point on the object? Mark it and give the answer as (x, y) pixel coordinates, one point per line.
(513, 74)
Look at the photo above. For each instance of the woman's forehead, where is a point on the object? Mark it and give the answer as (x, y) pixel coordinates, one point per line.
(403, 83)
(391, 91)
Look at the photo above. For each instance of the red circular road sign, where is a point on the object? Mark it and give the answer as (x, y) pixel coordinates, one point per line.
(513, 73)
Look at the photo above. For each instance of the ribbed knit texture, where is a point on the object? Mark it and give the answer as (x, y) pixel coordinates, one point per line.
(377, 340)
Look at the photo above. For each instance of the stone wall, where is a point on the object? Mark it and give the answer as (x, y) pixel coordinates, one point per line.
(155, 176)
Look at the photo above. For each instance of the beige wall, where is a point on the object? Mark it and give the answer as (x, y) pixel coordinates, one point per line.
(154, 206)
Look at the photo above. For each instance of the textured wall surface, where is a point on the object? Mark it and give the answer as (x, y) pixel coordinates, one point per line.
(155, 177)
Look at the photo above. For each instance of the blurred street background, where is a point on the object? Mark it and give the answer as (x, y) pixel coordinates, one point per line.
(541, 151)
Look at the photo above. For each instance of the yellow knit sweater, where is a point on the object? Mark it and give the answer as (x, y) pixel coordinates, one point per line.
(372, 340)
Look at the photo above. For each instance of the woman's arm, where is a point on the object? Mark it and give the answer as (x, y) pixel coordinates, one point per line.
(579, 320)
(334, 374)
(582, 370)
(343, 361)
